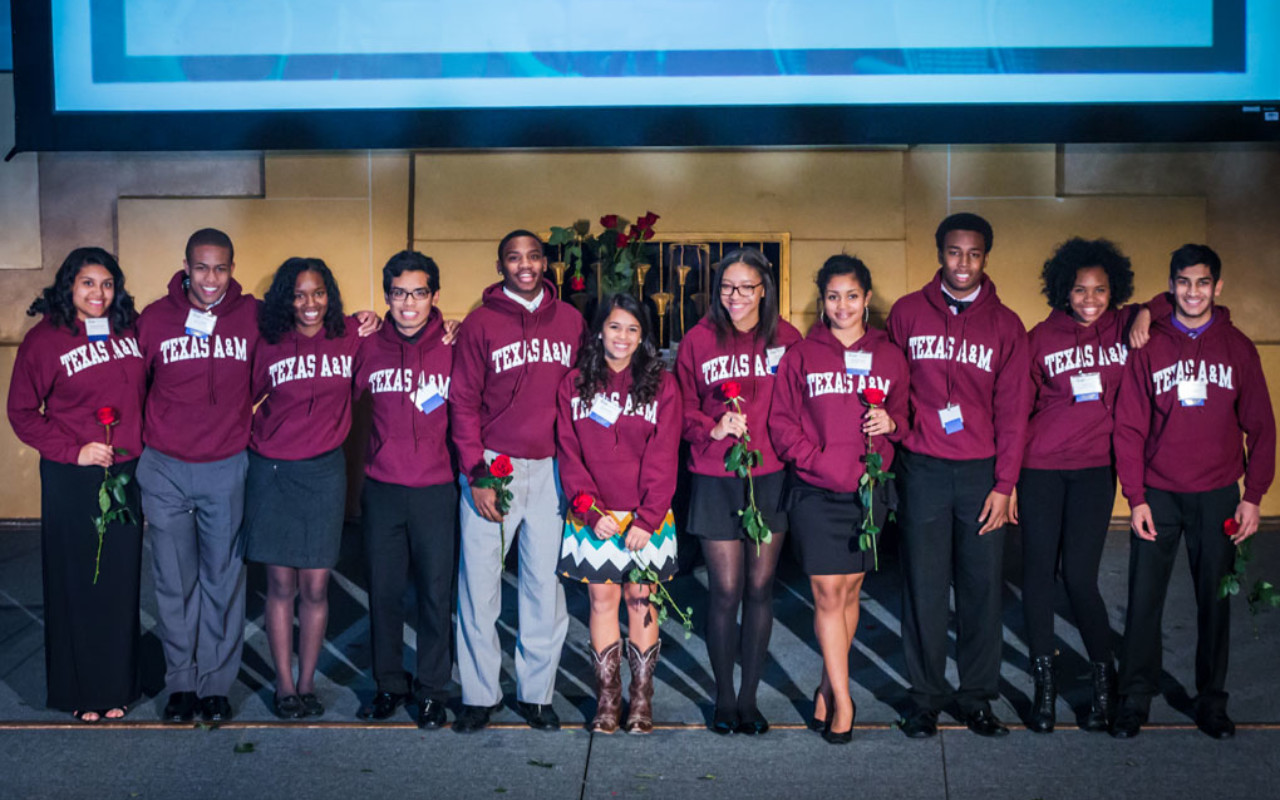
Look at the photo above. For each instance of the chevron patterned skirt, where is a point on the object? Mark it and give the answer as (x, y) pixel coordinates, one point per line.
(588, 559)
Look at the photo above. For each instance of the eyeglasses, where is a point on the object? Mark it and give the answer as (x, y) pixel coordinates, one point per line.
(399, 295)
(741, 290)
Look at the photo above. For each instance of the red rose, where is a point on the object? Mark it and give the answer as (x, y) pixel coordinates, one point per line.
(609, 221)
(648, 233)
(577, 284)
(647, 220)
(107, 416)
(635, 234)
(582, 503)
(622, 240)
(501, 467)
(731, 390)
(873, 395)
(1231, 527)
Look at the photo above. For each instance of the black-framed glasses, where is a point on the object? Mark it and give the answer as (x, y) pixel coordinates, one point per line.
(419, 294)
(741, 290)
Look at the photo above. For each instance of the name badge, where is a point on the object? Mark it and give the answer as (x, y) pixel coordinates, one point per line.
(427, 398)
(1193, 393)
(1087, 386)
(605, 410)
(773, 357)
(857, 363)
(952, 419)
(200, 323)
(98, 328)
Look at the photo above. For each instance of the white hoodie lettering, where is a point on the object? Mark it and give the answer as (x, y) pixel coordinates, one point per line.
(184, 348)
(532, 351)
(945, 348)
(1190, 370)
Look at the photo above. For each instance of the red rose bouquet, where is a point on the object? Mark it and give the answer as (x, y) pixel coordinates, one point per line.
(111, 497)
(499, 477)
(618, 249)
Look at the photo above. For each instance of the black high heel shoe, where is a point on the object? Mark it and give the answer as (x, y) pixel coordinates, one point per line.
(724, 722)
(814, 723)
(833, 737)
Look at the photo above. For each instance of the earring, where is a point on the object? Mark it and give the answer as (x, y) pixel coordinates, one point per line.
(866, 314)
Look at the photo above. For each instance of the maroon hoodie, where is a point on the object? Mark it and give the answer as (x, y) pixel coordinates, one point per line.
(977, 360)
(818, 406)
(409, 440)
(198, 404)
(507, 367)
(307, 383)
(1164, 444)
(702, 366)
(72, 377)
(629, 466)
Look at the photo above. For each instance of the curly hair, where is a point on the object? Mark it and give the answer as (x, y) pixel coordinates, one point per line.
(1059, 273)
(275, 314)
(767, 327)
(55, 300)
(646, 367)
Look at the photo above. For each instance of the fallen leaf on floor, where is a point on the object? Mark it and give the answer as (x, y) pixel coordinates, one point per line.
(243, 747)
(645, 775)
(707, 777)
(533, 762)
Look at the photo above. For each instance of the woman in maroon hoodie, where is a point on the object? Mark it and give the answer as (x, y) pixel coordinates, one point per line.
(297, 482)
(76, 371)
(618, 432)
(741, 340)
(1066, 489)
(842, 371)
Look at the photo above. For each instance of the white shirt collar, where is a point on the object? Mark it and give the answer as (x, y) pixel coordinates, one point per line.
(529, 305)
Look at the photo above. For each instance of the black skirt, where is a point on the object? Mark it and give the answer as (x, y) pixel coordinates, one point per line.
(293, 510)
(714, 503)
(827, 525)
(91, 630)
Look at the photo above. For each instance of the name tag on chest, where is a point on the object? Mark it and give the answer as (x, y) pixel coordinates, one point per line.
(1193, 393)
(200, 323)
(857, 363)
(98, 329)
(773, 357)
(951, 418)
(1086, 386)
(427, 399)
(605, 411)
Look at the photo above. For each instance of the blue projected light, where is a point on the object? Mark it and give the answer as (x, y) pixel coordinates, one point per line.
(6, 37)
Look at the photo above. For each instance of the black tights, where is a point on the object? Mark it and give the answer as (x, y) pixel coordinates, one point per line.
(727, 561)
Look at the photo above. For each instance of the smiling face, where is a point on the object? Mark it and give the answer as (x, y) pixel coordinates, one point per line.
(963, 257)
(92, 291)
(1090, 296)
(209, 270)
(844, 303)
(522, 265)
(310, 302)
(410, 301)
(621, 336)
(1193, 291)
(741, 290)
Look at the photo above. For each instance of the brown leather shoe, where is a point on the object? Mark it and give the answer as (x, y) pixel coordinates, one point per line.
(608, 668)
(640, 715)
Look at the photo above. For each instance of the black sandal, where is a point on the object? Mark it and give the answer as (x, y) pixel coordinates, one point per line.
(80, 716)
(124, 712)
(311, 705)
(289, 707)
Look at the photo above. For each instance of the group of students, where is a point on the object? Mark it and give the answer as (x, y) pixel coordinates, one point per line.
(232, 413)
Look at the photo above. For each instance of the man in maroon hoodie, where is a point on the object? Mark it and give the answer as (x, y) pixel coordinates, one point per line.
(198, 344)
(970, 398)
(1185, 399)
(510, 357)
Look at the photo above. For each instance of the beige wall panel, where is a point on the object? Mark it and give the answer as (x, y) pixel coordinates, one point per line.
(1004, 171)
(1027, 231)
(812, 194)
(340, 174)
(389, 216)
(266, 232)
(925, 203)
(885, 259)
(466, 268)
(19, 194)
(20, 489)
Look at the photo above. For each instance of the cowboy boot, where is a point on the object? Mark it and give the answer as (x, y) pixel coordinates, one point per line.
(608, 669)
(1104, 692)
(640, 716)
(1044, 706)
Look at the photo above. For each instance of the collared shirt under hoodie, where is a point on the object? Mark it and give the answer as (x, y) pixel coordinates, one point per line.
(307, 384)
(977, 360)
(61, 379)
(198, 403)
(816, 419)
(1164, 444)
(630, 465)
(409, 437)
(703, 365)
(507, 366)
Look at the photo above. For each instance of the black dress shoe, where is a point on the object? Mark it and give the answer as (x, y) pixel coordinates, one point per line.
(1128, 722)
(289, 707)
(1215, 723)
(215, 708)
(920, 724)
(472, 719)
(724, 722)
(311, 705)
(985, 723)
(539, 717)
(181, 707)
(431, 715)
(752, 723)
(383, 705)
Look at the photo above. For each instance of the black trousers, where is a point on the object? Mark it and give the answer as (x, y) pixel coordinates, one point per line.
(1198, 516)
(91, 631)
(940, 501)
(1064, 514)
(410, 532)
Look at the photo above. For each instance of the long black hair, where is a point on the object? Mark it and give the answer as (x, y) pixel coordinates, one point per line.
(1075, 254)
(276, 316)
(646, 367)
(719, 316)
(55, 300)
